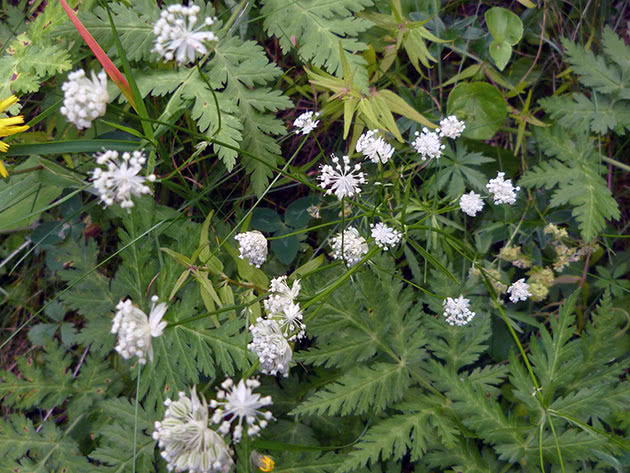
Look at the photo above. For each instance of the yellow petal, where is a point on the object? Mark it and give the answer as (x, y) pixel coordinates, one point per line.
(6, 103)
(11, 120)
(12, 130)
(3, 147)
(3, 170)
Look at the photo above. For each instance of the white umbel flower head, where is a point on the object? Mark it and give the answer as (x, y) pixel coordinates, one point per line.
(253, 247)
(281, 307)
(240, 403)
(306, 123)
(428, 144)
(349, 245)
(375, 148)
(120, 181)
(271, 347)
(343, 179)
(451, 127)
(177, 37)
(135, 329)
(457, 311)
(84, 100)
(502, 190)
(186, 440)
(384, 236)
(471, 203)
(519, 291)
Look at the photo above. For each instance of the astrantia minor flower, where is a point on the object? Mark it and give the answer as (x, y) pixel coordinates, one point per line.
(457, 311)
(305, 123)
(502, 190)
(84, 99)
(428, 144)
(349, 245)
(451, 127)
(271, 347)
(177, 37)
(471, 203)
(121, 180)
(343, 179)
(186, 440)
(281, 307)
(240, 403)
(253, 247)
(135, 329)
(384, 236)
(375, 148)
(519, 291)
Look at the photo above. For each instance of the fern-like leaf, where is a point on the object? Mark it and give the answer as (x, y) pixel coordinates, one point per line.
(360, 390)
(116, 446)
(317, 27)
(577, 175)
(598, 73)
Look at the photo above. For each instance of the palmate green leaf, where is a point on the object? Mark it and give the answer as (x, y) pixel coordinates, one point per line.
(459, 172)
(317, 27)
(577, 175)
(242, 68)
(362, 389)
(598, 114)
(116, 441)
(50, 449)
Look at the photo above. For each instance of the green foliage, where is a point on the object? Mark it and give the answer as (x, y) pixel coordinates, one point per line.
(576, 173)
(506, 29)
(607, 76)
(316, 28)
(459, 171)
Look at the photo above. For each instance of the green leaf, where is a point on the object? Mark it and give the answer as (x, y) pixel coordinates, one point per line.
(23, 197)
(481, 106)
(506, 29)
(317, 28)
(459, 171)
(265, 220)
(296, 215)
(116, 443)
(577, 174)
(362, 389)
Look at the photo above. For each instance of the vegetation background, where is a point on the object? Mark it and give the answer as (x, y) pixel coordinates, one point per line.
(381, 382)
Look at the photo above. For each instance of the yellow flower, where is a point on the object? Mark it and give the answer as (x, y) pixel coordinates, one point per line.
(262, 462)
(9, 126)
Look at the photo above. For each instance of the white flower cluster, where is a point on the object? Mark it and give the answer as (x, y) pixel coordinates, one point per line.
(240, 402)
(457, 311)
(186, 440)
(135, 329)
(271, 347)
(252, 247)
(306, 123)
(121, 180)
(519, 291)
(84, 99)
(349, 245)
(429, 143)
(373, 147)
(384, 236)
(502, 190)
(281, 306)
(343, 179)
(177, 37)
(471, 203)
